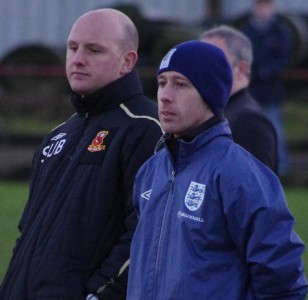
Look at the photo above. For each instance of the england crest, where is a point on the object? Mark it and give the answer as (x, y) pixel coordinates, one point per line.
(195, 195)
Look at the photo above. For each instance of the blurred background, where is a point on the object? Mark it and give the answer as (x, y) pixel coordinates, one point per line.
(34, 93)
(35, 96)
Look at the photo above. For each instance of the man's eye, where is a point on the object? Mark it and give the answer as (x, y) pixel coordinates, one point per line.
(94, 51)
(179, 84)
(161, 83)
(72, 48)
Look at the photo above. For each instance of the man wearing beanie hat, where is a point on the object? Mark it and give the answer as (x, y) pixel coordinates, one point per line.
(207, 69)
(212, 219)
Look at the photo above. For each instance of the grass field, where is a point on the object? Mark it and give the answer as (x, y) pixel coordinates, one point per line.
(13, 197)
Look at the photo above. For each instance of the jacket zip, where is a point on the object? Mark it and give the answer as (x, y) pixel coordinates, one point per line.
(162, 232)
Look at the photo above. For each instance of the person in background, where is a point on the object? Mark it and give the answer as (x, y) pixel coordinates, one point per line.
(250, 126)
(76, 229)
(272, 49)
(213, 222)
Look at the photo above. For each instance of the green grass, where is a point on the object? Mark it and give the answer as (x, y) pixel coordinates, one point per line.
(295, 117)
(13, 197)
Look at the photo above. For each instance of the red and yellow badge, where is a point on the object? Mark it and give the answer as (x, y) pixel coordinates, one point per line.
(97, 143)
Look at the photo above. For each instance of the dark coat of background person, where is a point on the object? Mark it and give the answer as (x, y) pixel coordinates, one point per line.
(252, 129)
(272, 49)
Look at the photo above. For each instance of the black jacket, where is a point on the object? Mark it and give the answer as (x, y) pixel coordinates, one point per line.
(78, 223)
(252, 129)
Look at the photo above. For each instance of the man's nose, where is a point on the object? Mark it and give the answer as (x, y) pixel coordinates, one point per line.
(79, 57)
(165, 94)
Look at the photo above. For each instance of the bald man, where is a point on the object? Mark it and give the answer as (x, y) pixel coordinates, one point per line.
(77, 226)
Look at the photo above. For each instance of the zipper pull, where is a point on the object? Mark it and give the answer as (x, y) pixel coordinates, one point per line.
(172, 176)
(159, 143)
(172, 181)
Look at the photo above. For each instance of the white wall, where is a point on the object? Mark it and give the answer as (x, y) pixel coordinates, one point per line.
(49, 21)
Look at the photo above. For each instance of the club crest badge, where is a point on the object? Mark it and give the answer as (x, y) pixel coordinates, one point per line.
(97, 143)
(195, 195)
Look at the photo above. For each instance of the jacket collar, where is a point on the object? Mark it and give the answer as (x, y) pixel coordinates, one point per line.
(203, 127)
(196, 131)
(108, 97)
(197, 137)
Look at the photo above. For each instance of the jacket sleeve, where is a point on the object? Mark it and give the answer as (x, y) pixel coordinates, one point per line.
(110, 281)
(261, 227)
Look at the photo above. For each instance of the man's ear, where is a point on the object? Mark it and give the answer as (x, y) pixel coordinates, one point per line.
(243, 67)
(130, 59)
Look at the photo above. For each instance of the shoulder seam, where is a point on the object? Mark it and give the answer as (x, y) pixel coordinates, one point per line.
(130, 114)
(62, 123)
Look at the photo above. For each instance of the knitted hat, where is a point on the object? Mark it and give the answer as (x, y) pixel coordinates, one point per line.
(207, 68)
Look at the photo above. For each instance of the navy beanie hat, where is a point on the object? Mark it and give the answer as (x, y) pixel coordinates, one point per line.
(207, 68)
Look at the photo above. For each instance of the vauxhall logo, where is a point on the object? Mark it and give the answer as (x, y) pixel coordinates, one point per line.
(57, 143)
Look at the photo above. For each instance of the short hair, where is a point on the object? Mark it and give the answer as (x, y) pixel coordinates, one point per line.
(238, 44)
